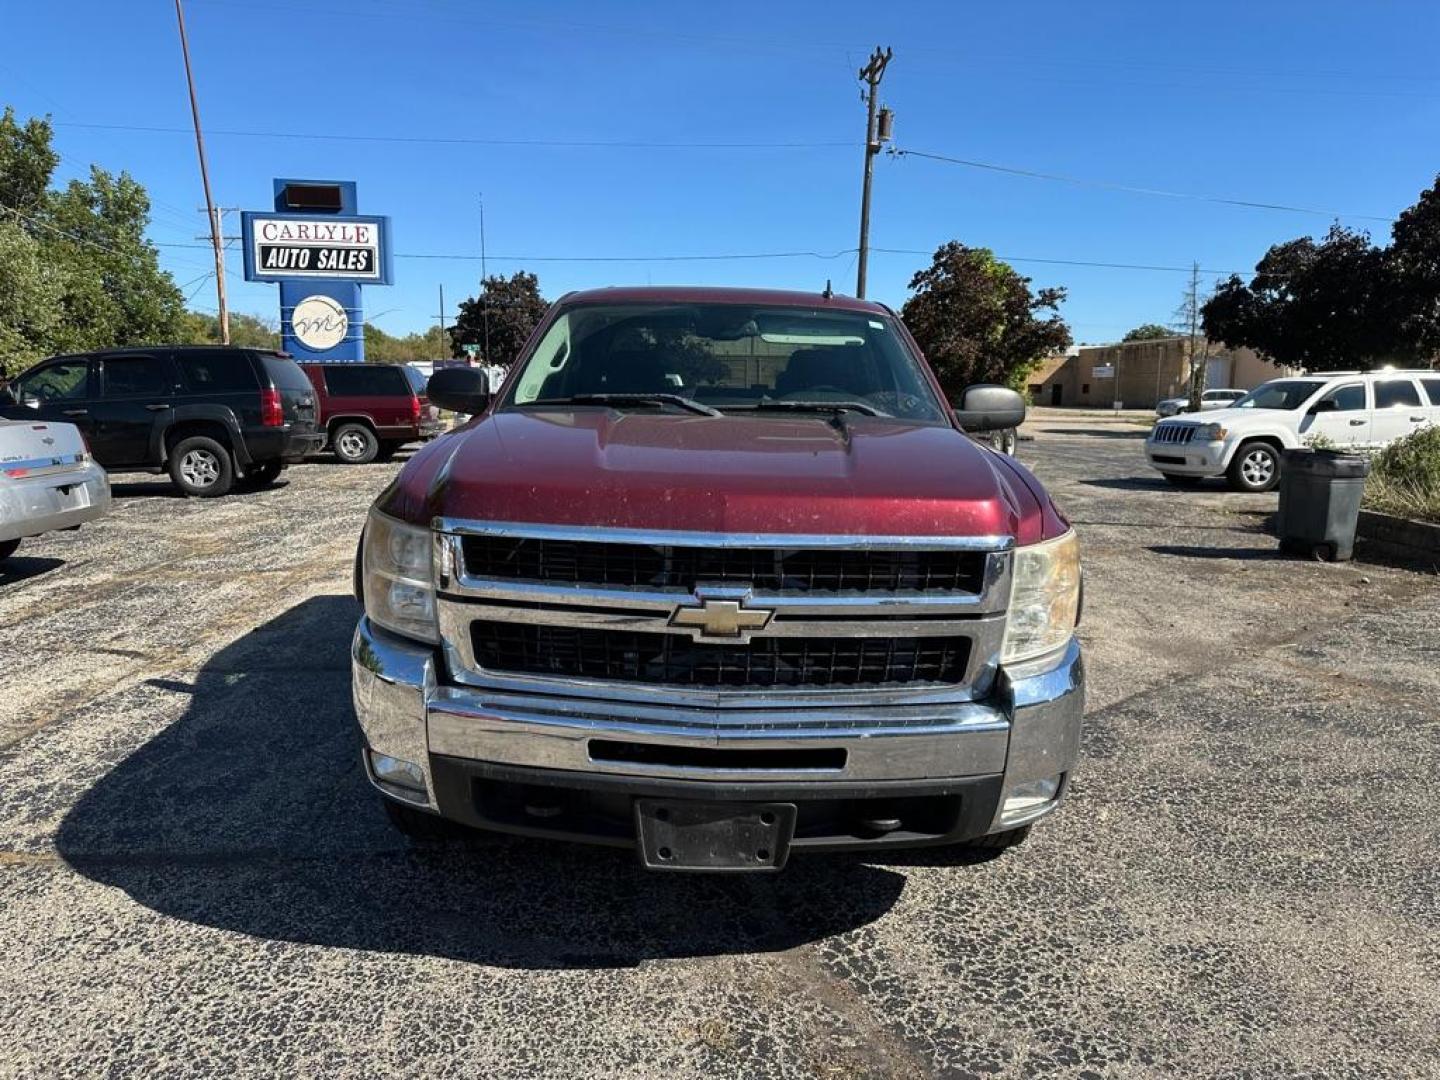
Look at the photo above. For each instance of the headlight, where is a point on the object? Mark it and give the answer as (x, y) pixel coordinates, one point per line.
(1045, 599)
(399, 579)
(1209, 433)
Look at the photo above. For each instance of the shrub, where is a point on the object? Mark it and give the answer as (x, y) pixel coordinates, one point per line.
(1405, 477)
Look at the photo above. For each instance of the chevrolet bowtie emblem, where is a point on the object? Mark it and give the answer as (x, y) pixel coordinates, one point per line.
(728, 620)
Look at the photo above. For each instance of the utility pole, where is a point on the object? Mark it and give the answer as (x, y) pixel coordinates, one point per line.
(871, 74)
(211, 212)
(1197, 364)
(484, 277)
(442, 314)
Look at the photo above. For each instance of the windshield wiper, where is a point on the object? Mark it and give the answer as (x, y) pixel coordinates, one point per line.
(678, 400)
(812, 406)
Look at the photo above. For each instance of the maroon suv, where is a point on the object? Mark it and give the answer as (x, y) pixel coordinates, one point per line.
(369, 411)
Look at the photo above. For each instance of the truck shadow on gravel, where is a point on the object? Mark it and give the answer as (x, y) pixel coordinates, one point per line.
(20, 568)
(251, 813)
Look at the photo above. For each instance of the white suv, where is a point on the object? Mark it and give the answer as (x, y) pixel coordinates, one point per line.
(1210, 399)
(1349, 410)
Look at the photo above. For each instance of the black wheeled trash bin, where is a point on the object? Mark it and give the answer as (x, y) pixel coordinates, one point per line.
(1320, 493)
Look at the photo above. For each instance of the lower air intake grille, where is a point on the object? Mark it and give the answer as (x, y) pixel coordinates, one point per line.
(675, 660)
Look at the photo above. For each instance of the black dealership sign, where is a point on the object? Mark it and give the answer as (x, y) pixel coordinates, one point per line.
(318, 260)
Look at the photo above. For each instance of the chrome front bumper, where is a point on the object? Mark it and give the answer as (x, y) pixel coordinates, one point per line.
(1028, 728)
(1188, 459)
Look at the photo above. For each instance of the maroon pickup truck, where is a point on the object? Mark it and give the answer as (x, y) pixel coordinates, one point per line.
(369, 411)
(719, 576)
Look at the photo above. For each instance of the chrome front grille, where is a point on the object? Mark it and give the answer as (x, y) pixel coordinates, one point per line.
(721, 620)
(1172, 434)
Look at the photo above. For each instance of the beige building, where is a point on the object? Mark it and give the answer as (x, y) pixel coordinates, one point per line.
(1139, 374)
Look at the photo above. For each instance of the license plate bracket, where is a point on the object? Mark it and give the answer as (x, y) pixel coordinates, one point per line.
(677, 834)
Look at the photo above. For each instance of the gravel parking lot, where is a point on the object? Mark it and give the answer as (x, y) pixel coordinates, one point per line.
(195, 879)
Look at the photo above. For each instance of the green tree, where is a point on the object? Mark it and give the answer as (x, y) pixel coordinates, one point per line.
(26, 162)
(978, 320)
(1148, 332)
(250, 331)
(98, 282)
(1414, 258)
(30, 294)
(1327, 306)
(384, 348)
(116, 293)
(513, 307)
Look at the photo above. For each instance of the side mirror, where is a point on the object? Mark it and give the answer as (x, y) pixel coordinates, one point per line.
(1328, 405)
(987, 407)
(459, 389)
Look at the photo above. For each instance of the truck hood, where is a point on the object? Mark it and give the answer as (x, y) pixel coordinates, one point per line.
(736, 474)
(1229, 417)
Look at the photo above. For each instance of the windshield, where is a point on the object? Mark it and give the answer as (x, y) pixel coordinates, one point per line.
(727, 357)
(1280, 394)
(415, 377)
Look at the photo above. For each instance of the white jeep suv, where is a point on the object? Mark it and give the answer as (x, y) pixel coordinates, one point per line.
(1349, 410)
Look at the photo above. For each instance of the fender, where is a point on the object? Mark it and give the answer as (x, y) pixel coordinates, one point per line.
(329, 420)
(218, 414)
(1278, 432)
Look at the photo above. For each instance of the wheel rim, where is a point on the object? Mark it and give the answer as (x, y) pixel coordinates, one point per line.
(351, 444)
(200, 468)
(1258, 467)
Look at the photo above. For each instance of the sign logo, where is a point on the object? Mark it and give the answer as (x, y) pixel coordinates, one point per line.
(721, 619)
(298, 247)
(319, 323)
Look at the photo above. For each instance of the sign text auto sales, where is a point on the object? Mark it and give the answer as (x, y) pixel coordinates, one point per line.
(301, 248)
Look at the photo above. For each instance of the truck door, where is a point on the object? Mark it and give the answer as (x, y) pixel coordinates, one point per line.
(136, 394)
(1398, 410)
(60, 391)
(1341, 417)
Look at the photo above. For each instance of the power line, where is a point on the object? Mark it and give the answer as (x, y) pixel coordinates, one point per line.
(755, 255)
(1107, 185)
(1070, 262)
(76, 238)
(584, 144)
(202, 279)
(632, 258)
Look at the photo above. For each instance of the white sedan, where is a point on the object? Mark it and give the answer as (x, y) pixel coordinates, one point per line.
(1210, 399)
(48, 481)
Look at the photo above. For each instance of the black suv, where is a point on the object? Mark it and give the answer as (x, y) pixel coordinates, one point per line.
(208, 415)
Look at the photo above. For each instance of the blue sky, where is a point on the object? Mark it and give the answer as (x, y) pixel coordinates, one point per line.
(1332, 106)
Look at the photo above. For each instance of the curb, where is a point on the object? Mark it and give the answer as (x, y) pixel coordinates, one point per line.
(1416, 541)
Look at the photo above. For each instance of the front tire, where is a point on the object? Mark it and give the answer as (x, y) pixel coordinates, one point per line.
(355, 444)
(200, 466)
(1255, 467)
(8, 548)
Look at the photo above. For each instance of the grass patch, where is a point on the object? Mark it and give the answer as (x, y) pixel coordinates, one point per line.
(1404, 478)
